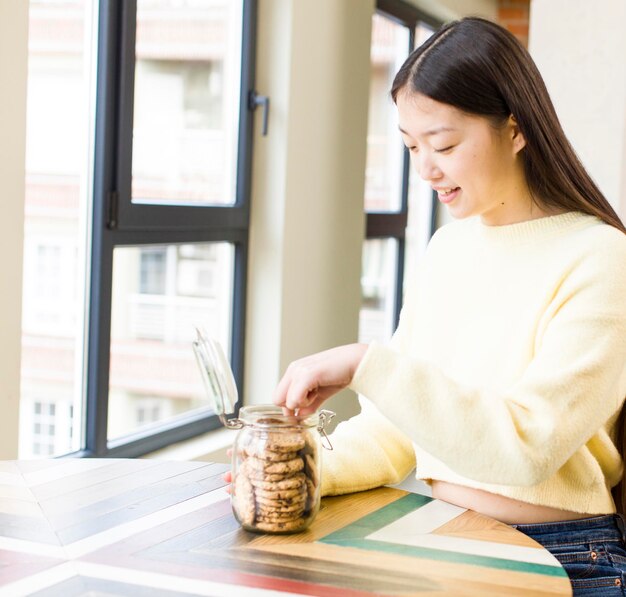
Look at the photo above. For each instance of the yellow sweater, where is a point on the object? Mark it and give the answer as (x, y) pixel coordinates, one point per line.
(507, 371)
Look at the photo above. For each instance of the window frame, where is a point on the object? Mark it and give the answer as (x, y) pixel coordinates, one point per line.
(392, 224)
(117, 222)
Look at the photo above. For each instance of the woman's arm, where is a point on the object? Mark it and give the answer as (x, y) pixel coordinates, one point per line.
(521, 435)
(368, 451)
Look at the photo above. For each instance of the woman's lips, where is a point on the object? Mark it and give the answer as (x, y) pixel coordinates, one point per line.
(448, 197)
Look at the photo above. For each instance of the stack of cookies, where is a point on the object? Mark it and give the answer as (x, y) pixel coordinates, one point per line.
(275, 489)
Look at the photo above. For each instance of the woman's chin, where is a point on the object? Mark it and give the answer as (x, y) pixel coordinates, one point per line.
(457, 212)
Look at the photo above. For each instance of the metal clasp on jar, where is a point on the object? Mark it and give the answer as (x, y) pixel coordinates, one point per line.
(325, 417)
(231, 423)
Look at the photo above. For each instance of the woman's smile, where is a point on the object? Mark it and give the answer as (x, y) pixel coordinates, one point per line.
(447, 195)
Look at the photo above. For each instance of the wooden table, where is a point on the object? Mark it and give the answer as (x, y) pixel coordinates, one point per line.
(159, 529)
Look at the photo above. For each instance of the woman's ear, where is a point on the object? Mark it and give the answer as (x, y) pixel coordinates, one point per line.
(517, 139)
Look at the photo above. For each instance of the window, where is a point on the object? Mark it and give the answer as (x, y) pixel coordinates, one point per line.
(62, 43)
(151, 332)
(148, 411)
(145, 238)
(44, 438)
(152, 270)
(398, 205)
(180, 129)
(172, 182)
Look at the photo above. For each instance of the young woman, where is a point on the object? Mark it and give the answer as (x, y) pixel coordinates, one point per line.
(504, 382)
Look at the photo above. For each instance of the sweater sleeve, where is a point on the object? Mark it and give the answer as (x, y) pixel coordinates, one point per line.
(368, 451)
(523, 434)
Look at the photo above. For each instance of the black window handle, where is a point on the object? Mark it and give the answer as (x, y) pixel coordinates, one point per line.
(257, 100)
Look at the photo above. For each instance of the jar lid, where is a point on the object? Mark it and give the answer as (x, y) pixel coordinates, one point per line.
(217, 376)
(265, 415)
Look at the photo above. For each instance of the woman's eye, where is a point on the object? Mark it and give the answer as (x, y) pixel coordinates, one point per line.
(444, 149)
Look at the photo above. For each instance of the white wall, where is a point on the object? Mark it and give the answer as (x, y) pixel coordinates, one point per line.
(482, 8)
(13, 59)
(580, 49)
(448, 10)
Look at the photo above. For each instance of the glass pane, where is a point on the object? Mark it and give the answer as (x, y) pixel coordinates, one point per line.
(383, 174)
(62, 41)
(378, 289)
(160, 293)
(418, 229)
(186, 110)
(422, 33)
(419, 224)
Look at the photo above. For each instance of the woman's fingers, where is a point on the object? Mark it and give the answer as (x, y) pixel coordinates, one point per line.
(308, 382)
(299, 386)
(228, 478)
(323, 394)
(280, 393)
(301, 393)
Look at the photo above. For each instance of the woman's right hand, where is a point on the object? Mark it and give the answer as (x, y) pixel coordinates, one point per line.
(310, 381)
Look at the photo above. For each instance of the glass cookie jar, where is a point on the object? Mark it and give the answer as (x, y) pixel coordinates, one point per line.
(277, 469)
(276, 463)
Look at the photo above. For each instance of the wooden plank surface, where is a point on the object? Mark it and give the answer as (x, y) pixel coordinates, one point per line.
(446, 579)
(337, 512)
(146, 527)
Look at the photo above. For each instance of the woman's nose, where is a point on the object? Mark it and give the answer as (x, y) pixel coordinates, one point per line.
(426, 167)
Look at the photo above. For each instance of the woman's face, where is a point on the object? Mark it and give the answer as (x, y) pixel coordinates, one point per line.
(475, 168)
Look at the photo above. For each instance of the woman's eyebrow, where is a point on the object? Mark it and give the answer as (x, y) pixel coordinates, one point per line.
(439, 129)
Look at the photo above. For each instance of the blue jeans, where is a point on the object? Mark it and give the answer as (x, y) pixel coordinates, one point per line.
(592, 551)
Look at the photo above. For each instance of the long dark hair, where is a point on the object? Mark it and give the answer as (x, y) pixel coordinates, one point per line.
(480, 68)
